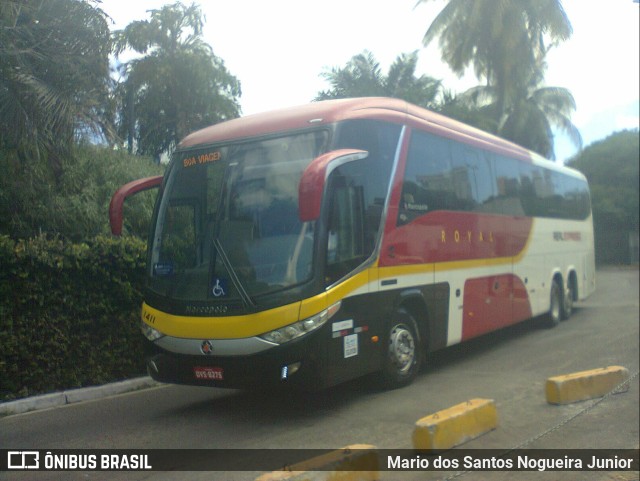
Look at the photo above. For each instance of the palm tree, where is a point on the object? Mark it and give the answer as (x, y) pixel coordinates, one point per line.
(503, 40)
(54, 76)
(465, 108)
(362, 77)
(530, 120)
(532, 113)
(178, 86)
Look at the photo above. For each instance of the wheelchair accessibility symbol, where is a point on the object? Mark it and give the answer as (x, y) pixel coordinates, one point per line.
(219, 288)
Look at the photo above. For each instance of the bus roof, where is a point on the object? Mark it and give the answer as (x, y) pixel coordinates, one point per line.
(325, 112)
(329, 111)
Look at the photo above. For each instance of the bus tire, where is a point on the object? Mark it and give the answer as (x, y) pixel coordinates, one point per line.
(567, 301)
(553, 317)
(403, 355)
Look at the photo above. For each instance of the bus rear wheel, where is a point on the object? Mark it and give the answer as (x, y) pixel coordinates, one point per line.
(403, 356)
(567, 301)
(553, 317)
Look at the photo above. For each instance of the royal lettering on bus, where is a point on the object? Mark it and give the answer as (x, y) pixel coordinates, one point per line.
(468, 236)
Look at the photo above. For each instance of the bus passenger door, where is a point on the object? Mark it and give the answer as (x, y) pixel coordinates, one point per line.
(349, 244)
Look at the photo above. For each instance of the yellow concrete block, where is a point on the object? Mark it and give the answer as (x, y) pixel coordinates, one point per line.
(356, 462)
(455, 425)
(578, 386)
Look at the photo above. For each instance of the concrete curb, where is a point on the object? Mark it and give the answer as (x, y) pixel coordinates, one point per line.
(583, 385)
(455, 425)
(46, 401)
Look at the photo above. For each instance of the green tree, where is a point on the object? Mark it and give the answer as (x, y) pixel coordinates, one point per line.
(362, 77)
(506, 41)
(54, 76)
(460, 107)
(533, 112)
(178, 86)
(612, 167)
(530, 120)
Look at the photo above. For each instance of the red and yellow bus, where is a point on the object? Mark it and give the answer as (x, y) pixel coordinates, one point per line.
(316, 244)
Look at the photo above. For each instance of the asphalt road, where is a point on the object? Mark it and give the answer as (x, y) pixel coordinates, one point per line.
(510, 366)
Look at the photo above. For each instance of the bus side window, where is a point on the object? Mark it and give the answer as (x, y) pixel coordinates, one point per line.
(509, 188)
(428, 184)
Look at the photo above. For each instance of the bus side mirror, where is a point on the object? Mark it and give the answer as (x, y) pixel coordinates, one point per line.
(127, 190)
(313, 178)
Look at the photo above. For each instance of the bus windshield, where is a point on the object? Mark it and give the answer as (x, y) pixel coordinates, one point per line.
(228, 226)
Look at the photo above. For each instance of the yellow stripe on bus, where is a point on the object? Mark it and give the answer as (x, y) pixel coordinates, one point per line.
(229, 327)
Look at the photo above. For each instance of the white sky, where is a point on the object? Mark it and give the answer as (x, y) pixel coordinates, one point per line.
(279, 48)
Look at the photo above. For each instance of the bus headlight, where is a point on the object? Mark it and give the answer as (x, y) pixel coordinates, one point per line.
(149, 332)
(300, 328)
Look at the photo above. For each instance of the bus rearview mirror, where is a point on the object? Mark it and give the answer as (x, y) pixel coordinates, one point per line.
(312, 182)
(127, 190)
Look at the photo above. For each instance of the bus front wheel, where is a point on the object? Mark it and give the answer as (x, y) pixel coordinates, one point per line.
(403, 355)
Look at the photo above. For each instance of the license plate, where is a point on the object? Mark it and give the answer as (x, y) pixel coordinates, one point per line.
(209, 373)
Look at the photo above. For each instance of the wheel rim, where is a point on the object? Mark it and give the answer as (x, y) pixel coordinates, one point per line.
(402, 350)
(568, 300)
(555, 303)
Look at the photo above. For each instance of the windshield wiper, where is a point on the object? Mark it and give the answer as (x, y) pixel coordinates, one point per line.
(244, 295)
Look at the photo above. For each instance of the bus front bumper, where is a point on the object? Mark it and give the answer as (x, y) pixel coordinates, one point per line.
(296, 364)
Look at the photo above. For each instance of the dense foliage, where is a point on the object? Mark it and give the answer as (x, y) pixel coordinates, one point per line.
(612, 167)
(70, 313)
(76, 205)
(69, 295)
